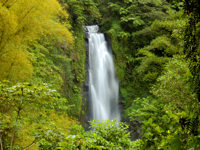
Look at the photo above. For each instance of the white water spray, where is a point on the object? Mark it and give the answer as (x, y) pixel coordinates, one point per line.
(103, 85)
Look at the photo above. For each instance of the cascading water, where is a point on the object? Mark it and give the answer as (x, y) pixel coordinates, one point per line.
(103, 85)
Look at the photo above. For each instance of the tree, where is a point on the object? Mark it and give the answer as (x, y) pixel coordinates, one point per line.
(23, 22)
(192, 42)
(29, 112)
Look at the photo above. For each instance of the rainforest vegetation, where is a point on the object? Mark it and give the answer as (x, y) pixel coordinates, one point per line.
(156, 48)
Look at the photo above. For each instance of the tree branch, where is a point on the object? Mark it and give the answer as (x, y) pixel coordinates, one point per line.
(30, 145)
(12, 139)
(18, 117)
(4, 3)
(1, 144)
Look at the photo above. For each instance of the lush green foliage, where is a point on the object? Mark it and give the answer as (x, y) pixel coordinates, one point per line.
(81, 13)
(156, 51)
(29, 113)
(169, 118)
(103, 135)
(35, 37)
(192, 40)
(159, 89)
(22, 22)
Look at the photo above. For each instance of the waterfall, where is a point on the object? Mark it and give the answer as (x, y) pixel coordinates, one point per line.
(103, 85)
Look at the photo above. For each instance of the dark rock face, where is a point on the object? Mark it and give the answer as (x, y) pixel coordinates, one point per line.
(135, 129)
(84, 117)
(109, 42)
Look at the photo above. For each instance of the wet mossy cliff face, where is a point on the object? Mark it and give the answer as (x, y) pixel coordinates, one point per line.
(84, 117)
